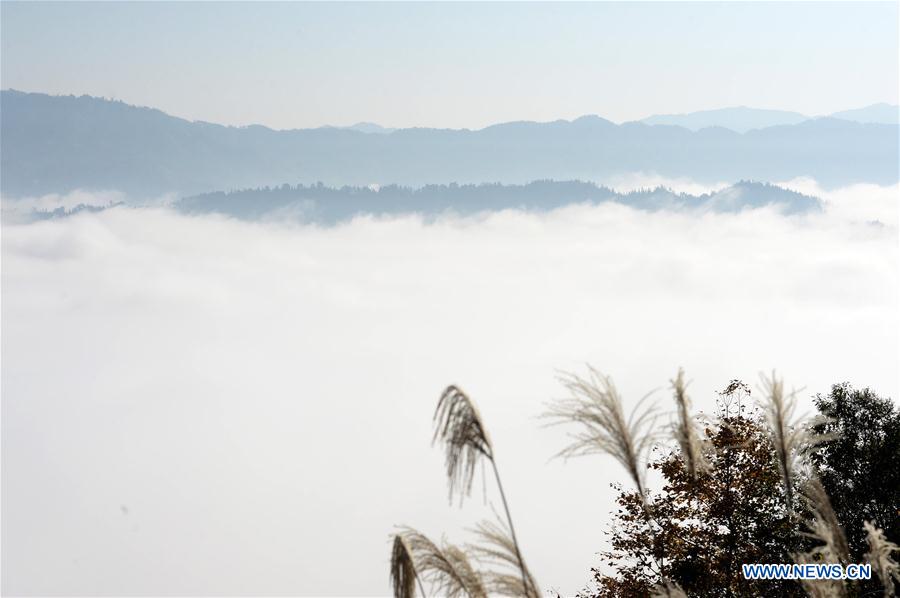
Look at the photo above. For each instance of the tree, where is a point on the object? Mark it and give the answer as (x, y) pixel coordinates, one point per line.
(860, 467)
(703, 527)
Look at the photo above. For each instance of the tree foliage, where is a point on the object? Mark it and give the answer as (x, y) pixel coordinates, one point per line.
(698, 529)
(702, 528)
(860, 467)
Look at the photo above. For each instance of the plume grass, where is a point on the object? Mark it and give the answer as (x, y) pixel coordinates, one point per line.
(685, 430)
(779, 412)
(595, 407)
(446, 568)
(879, 556)
(496, 547)
(404, 576)
(459, 428)
(825, 528)
(668, 590)
(790, 437)
(820, 588)
(824, 525)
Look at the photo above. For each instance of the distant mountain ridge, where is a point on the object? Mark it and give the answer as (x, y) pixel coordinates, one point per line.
(876, 113)
(742, 119)
(318, 203)
(365, 127)
(57, 144)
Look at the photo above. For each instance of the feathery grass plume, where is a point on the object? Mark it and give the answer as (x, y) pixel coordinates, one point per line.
(819, 588)
(685, 430)
(668, 590)
(824, 525)
(595, 405)
(458, 425)
(403, 570)
(790, 437)
(879, 556)
(447, 569)
(779, 412)
(496, 547)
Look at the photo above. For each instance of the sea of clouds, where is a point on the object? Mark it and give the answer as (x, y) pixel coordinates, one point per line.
(195, 405)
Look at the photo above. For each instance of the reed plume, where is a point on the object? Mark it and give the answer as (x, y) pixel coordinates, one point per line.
(790, 437)
(404, 576)
(824, 525)
(685, 430)
(879, 556)
(820, 588)
(446, 568)
(497, 548)
(779, 413)
(668, 590)
(826, 529)
(595, 406)
(459, 428)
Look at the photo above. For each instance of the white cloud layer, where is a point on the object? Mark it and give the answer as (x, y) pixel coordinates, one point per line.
(201, 406)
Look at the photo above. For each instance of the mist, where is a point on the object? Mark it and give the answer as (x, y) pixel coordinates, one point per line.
(196, 405)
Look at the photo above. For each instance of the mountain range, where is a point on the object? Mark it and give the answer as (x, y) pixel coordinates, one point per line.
(56, 144)
(742, 119)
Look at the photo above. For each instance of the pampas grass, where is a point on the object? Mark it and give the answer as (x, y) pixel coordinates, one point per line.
(879, 556)
(497, 548)
(685, 430)
(446, 568)
(403, 570)
(826, 529)
(459, 428)
(595, 407)
(668, 590)
(819, 588)
(779, 410)
(790, 437)
(824, 525)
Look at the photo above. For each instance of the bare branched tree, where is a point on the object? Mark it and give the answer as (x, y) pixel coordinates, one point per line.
(879, 556)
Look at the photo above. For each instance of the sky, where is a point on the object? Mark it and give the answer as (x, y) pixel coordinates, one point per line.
(465, 65)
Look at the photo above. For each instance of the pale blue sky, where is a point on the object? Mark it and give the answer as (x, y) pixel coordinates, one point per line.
(453, 65)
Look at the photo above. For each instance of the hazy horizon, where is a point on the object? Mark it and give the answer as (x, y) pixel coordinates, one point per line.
(473, 65)
(390, 127)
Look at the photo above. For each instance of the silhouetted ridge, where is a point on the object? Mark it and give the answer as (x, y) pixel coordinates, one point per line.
(319, 203)
(57, 144)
